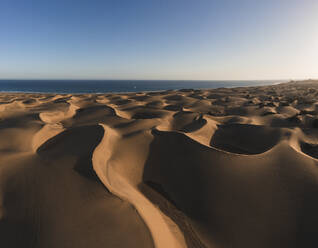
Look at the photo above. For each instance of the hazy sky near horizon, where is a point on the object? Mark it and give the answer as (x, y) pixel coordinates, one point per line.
(159, 39)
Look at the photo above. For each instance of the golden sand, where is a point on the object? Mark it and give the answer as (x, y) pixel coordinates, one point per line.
(190, 168)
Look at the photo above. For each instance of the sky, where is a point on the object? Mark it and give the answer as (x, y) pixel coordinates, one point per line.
(159, 39)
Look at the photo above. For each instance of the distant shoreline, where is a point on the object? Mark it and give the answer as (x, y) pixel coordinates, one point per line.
(119, 86)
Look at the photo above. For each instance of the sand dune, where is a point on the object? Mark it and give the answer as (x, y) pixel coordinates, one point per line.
(190, 168)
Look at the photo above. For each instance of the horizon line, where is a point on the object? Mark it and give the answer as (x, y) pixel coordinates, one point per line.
(134, 79)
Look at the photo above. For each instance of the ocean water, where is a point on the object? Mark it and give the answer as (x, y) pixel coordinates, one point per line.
(104, 86)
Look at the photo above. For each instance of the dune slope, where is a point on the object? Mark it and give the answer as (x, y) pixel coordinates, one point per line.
(191, 168)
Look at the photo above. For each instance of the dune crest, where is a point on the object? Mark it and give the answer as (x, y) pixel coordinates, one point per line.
(164, 234)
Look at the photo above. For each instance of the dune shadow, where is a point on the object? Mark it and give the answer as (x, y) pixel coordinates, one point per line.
(20, 121)
(245, 138)
(146, 115)
(78, 142)
(309, 149)
(195, 125)
(166, 163)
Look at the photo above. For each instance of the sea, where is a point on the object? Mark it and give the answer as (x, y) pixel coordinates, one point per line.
(106, 86)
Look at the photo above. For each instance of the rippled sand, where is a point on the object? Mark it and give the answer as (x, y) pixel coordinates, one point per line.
(190, 168)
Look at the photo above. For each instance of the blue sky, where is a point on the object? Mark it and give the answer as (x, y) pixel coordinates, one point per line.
(159, 39)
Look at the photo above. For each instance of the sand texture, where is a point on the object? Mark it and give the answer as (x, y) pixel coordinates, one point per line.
(221, 168)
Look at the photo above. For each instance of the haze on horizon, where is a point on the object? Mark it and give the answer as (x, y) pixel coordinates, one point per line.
(159, 39)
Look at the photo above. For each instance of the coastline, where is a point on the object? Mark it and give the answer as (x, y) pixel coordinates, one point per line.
(108, 86)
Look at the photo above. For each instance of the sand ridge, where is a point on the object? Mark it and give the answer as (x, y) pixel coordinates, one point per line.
(228, 167)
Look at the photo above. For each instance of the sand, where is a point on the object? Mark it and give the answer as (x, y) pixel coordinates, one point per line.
(228, 167)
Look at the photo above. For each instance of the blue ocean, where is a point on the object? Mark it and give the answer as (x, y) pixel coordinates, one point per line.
(104, 86)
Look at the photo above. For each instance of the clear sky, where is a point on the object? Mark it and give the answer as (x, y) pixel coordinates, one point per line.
(159, 39)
